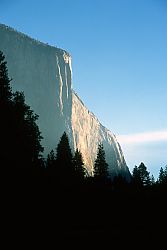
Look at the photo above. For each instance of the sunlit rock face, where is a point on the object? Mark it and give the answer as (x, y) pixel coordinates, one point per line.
(88, 132)
(44, 74)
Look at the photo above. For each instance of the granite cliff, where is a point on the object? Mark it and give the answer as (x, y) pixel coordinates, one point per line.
(44, 73)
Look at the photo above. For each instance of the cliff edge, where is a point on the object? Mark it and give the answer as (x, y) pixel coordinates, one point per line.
(44, 73)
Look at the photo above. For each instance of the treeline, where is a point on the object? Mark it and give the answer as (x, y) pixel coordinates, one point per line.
(62, 163)
(21, 149)
(56, 197)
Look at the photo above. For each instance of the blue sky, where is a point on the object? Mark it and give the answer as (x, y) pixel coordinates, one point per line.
(119, 55)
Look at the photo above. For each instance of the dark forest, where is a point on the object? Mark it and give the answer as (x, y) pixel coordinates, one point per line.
(55, 198)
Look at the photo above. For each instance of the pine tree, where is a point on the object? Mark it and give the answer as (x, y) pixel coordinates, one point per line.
(144, 174)
(51, 160)
(165, 174)
(64, 159)
(100, 166)
(79, 165)
(51, 164)
(152, 180)
(5, 88)
(161, 176)
(136, 176)
(20, 144)
(141, 176)
(29, 137)
(5, 112)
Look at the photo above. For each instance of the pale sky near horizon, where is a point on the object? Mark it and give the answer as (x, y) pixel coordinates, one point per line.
(119, 59)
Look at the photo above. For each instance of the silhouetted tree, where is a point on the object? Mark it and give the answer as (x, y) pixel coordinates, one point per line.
(166, 170)
(136, 176)
(161, 176)
(5, 112)
(101, 166)
(140, 175)
(64, 159)
(165, 174)
(51, 168)
(20, 144)
(26, 136)
(51, 160)
(5, 88)
(79, 165)
(152, 180)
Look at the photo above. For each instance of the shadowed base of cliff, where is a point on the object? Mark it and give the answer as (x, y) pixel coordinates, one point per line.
(38, 210)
